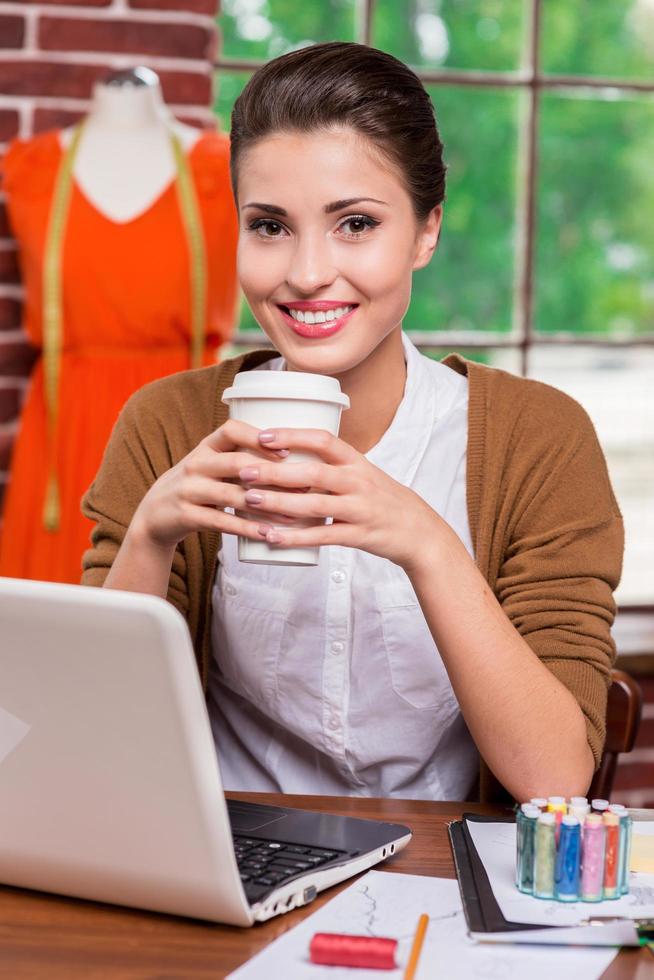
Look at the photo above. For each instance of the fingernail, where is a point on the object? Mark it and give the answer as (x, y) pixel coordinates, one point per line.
(249, 473)
(273, 537)
(267, 436)
(282, 452)
(263, 530)
(253, 497)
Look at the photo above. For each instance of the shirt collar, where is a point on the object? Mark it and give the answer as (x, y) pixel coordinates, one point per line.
(403, 445)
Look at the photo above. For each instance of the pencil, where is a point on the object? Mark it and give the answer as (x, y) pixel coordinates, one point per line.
(418, 940)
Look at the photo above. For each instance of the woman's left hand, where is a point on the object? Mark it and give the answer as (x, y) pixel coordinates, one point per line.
(370, 510)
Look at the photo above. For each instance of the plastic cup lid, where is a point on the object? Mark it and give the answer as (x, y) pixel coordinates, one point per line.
(578, 801)
(547, 818)
(287, 384)
(593, 820)
(570, 820)
(530, 810)
(600, 804)
(556, 800)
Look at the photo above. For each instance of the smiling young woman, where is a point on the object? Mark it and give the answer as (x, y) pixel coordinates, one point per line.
(458, 622)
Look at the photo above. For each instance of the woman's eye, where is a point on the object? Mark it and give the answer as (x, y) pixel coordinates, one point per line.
(357, 224)
(266, 228)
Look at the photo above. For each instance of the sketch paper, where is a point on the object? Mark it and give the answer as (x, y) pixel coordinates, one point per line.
(496, 846)
(642, 847)
(385, 904)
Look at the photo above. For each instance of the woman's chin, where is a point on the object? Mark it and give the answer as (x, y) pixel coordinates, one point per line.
(318, 358)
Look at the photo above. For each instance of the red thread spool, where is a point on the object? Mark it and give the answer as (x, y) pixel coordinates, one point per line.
(334, 949)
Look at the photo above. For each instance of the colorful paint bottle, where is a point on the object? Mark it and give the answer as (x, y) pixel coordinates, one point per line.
(627, 859)
(545, 855)
(592, 858)
(621, 812)
(567, 865)
(579, 810)
(611, 855)
(577, 805)
(599, 806)
(625, 846)
(525, 844)
(557, 806)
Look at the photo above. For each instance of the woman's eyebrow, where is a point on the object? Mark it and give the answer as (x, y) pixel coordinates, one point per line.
(348, 202)
(268, 208)
(329, 208)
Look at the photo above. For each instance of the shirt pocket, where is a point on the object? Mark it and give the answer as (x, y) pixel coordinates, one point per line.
(249, 617)
(418, 674)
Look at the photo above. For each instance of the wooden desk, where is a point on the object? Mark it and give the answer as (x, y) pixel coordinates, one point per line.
(44, 936)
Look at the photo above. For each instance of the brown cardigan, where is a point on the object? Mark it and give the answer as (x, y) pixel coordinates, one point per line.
(546, 528)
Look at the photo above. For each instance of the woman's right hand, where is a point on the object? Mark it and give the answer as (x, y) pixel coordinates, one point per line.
(192, 494)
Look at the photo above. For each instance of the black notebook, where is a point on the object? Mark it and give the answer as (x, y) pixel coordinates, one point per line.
(482, 912)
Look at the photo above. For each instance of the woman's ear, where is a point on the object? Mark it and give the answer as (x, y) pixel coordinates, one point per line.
(427, 239)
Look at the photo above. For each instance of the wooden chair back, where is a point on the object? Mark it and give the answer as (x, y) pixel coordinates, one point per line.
(623, 711)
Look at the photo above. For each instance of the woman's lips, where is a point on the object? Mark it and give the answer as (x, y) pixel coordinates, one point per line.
(315, 330)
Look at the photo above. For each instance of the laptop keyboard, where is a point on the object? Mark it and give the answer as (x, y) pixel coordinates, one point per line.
(265, 864)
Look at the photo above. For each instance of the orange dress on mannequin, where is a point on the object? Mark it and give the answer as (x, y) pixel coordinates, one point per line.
(126, 289)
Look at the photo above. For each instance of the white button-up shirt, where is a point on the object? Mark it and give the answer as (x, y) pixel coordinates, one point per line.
(326, 679)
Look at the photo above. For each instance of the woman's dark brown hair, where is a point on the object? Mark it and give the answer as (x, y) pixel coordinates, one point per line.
(342, 84)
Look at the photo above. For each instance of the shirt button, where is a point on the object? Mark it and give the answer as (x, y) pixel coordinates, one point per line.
(334, 723)
(337, 646)
(230, 590)
(338, 576)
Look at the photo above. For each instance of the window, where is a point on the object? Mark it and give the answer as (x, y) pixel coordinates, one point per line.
(546, 261)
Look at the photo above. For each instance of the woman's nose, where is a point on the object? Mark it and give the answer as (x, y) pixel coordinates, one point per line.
(311, 265)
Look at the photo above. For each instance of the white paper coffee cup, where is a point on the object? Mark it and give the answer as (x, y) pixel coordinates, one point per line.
(285, 400)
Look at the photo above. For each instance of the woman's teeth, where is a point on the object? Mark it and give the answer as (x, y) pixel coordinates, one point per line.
(320, 316)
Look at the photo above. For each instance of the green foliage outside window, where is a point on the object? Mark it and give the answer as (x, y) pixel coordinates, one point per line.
(475, 34)
(612, 38)
(264, 29)
(595, 247)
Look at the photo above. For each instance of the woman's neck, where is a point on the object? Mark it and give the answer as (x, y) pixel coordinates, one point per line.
(375, 390)
(128, 107)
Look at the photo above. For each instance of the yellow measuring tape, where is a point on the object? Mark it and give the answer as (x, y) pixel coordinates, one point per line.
(52, 293)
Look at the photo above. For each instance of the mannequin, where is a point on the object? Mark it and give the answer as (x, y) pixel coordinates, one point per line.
(127, 234)
(125, 159)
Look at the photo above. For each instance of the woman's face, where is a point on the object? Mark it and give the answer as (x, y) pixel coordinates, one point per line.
(328, 242)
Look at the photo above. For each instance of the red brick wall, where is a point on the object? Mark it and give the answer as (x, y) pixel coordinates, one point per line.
(51, 53)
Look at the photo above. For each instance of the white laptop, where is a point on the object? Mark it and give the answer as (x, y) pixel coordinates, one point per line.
(109, 784)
